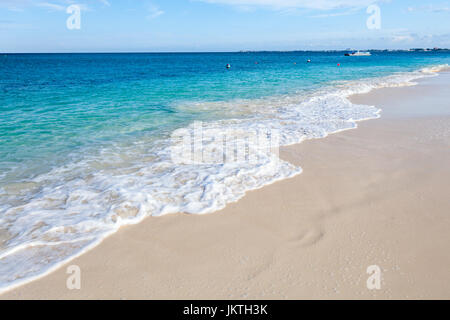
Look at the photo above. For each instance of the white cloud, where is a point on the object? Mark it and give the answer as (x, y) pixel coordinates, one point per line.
(154, 12)
(335, 14)
(106, 3)
(12, 5)
(51, 6)
(402, 38)
(430, 8)
(54, 5)
(301, 4)
(442, 9)
(6, 25)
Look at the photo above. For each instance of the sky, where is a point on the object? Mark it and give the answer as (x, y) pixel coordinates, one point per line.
(222, 25)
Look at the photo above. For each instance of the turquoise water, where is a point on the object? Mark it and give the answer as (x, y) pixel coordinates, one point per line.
(84, 137)
(53, 104)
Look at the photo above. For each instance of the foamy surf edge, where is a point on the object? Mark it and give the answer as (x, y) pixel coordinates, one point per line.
(327, 100)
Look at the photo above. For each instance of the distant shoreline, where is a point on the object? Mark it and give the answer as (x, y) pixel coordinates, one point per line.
(243, 51)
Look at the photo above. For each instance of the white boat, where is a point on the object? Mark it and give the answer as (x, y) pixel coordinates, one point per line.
(358, 54)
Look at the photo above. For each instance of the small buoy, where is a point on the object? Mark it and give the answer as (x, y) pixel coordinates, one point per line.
(339, 64)
(309, 60)
(228, 66)
(295, 62)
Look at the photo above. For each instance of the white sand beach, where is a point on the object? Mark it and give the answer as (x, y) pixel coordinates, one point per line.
(377, 195)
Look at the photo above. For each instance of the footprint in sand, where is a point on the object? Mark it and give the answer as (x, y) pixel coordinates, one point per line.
(307, 237)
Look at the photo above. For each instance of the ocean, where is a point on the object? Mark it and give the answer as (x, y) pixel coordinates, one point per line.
(87, 140)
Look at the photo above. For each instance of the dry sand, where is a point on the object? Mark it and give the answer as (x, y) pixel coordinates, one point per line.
(378, 195)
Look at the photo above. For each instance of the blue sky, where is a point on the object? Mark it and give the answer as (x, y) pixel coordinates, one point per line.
(220, 25)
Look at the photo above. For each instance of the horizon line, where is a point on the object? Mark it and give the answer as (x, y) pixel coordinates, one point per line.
(234, 51)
